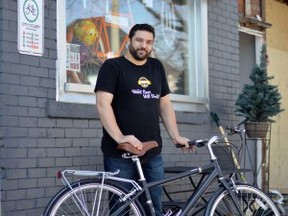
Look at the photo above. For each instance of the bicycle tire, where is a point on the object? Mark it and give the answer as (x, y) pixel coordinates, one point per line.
(251, 200)
(89, 191)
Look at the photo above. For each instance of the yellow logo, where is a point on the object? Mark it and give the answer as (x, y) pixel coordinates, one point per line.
(144, 82)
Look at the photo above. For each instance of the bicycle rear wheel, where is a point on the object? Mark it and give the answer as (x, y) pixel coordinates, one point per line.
(250, 200)
(88, 197)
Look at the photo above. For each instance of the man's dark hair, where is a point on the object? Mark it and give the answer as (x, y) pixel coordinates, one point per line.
(141, 27)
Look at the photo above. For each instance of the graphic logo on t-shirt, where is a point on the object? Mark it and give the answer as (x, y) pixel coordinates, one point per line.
(144, 82)
(147, 94)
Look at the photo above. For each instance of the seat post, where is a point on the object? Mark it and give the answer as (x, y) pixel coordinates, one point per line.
(136, 160)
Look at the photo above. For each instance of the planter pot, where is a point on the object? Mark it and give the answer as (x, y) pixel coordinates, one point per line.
(256, 129)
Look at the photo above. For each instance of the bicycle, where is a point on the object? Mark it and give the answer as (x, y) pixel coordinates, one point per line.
(93, 196)
(274, 195)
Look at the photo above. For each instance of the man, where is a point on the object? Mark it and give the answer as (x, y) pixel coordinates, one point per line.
(131, 94)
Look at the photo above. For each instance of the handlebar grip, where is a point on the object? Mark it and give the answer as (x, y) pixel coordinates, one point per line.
(179, 145)
(234, 130)
(197, 143)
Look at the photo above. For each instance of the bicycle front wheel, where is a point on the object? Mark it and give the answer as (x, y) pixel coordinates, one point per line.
(89, 197)
(249, 201)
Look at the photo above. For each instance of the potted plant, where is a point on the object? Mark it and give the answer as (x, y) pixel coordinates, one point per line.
(260, 101)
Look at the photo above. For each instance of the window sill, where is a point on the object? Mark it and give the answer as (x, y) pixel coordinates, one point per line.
(85, 111)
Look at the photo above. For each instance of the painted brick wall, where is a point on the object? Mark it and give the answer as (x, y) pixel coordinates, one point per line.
(223, 39)
(40, 136)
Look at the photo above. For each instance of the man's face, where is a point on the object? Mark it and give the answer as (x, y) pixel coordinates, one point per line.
(141, 45)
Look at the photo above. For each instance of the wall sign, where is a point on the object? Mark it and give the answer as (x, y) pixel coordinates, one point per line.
(31, 27)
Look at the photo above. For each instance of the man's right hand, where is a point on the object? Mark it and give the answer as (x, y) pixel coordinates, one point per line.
(132, 140)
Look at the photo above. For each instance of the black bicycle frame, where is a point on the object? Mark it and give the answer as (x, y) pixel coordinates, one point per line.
(212, 171)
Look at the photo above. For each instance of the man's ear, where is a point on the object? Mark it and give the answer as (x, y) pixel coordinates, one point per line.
(128, 42)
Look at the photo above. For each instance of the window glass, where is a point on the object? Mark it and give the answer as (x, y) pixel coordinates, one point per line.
(97, 30)
(91, 31)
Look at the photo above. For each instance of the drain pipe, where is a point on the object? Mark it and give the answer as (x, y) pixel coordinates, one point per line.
(248, 8)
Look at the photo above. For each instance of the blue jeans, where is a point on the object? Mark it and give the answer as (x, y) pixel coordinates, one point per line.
(153, 170)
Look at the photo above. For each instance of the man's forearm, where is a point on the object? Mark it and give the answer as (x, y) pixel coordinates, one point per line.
(108, 119)
(170, 124)
(169, 119)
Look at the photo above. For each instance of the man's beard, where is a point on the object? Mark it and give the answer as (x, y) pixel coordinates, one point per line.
(134, 53)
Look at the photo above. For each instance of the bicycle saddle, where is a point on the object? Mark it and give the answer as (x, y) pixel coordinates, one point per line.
(131, 149)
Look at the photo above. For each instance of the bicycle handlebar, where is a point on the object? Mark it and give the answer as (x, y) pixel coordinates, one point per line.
(197, 143)
(203, 142)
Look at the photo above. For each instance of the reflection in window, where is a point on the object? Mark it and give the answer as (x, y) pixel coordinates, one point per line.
(97, 30)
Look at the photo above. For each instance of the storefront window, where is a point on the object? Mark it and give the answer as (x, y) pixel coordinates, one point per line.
(98, 30)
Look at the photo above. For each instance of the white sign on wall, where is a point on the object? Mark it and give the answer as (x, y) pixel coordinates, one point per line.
(31, 27)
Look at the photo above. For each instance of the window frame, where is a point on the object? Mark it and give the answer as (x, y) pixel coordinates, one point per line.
(198, 98)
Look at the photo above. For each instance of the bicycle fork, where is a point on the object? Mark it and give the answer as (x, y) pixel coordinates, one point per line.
(232, 190)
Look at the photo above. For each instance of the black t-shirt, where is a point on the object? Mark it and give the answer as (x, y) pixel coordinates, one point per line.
(136, 100)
